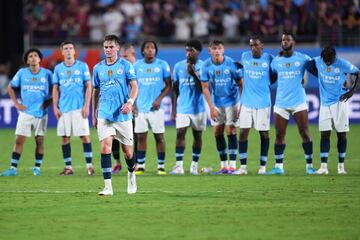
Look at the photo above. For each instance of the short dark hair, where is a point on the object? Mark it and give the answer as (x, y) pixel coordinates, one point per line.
(195, 44)
(289, 34)
(66, 42)
(126, 46)
(255, 37)
(112, 38)
(216, 43)
(149, 41)
(328, 53)
(26, 54)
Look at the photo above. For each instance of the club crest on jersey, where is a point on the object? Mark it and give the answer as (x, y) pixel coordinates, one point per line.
(226, 71)
(68, 72)
(156, 69)
(255, 64)
(33, 79)
(217, 72)
(43, 80)
(297, 64)
(328, 69)
(264, 65)
(287, 65)
(148, 70)
(77, 72)
(337, 70)
(110, 73)
(119, 71)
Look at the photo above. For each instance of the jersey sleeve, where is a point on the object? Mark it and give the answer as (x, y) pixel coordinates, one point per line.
(96, 80)
(204, 73)
(348, 67)
(130, 72)
(166, 70)
(55, 77)
(175, 73)
(86, 73)
(15, 82)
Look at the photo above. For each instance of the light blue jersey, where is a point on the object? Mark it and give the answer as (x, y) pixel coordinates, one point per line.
(151, 78)
(290, 71)
(222, 80)
(190, 99)
(114, 84)
(257, 73)
(332, 78)
(71, 81)
(34, 89)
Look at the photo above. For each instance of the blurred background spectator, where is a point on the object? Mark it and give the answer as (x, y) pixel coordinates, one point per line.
(168, 21)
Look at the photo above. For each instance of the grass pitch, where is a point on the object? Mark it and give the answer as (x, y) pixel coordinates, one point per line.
(294, 206)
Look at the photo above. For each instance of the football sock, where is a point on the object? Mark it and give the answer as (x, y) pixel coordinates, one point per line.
(38, 159)
(243, 152)
(264, 150)
(308, 151)
(87, 152)
(15, 159)
(221, 147)
(179, 153)
(341, 146)
(161, 159)
(66, 150)
(196, 154)
(279, 153)
(141, 157)
(324, 149)
(106, 165)
(232, 147)
(130, 163)
(116, 150)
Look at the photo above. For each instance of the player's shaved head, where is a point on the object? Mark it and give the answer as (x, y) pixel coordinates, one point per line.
(328, 55)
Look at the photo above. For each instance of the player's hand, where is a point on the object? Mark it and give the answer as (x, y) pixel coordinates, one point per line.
(57, 112)
(94, 121)
(126, 108)
(135, 110)
(20, 107)
(214, 114)
(85, 112)
(156, 105)
(237, 113)
(46, 104)
(191, 69)
(173, 116)
(346, 96)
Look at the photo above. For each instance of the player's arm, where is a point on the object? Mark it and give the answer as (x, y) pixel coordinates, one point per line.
(95, 105)
(192, 72)
(206, 91)
(85, 110)
(175, 94)
(13, 97)
(165, 91)
(55, 97)
(311, 67)
(346, 96)
(127, 107)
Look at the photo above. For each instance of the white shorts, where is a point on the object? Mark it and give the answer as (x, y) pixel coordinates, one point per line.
(227, 115)
(256, 118)
(286, 112)
(154, 120)
(122, 131)
(27, 122)
(73, 124)
(336, 116)
(196, 121)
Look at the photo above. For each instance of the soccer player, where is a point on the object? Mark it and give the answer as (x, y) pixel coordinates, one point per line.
(332, 72)
(71, 103)
(114, 93)
(127, 51)
(154, 81)
(220, 81)
(188, 105)
(289, 67)
(34, 83)
(255, 102)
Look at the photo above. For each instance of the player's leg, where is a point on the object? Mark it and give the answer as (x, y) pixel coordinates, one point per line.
(116, 155)
(39, 154)
(341, 147)
(141, 152)
(88, 154)
(66, 151)
(105, 148)
(324, 151)
(221, 147)
(160, 149)
(264, 150)
(179, 151)
(15, 156)
(198, 123)
(280, 122)
(245, 123)
(301, 119)
(231, 131)
(157, 124)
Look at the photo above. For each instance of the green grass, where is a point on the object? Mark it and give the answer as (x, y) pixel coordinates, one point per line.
(294, 206)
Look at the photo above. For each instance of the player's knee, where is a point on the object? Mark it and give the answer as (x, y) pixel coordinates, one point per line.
(159, 138)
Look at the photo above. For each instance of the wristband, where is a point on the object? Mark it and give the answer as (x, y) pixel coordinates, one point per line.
(130, 100)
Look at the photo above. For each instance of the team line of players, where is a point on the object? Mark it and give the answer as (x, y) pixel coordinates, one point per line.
(237, 93)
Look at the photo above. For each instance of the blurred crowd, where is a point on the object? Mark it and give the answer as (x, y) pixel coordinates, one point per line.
(171, 21)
